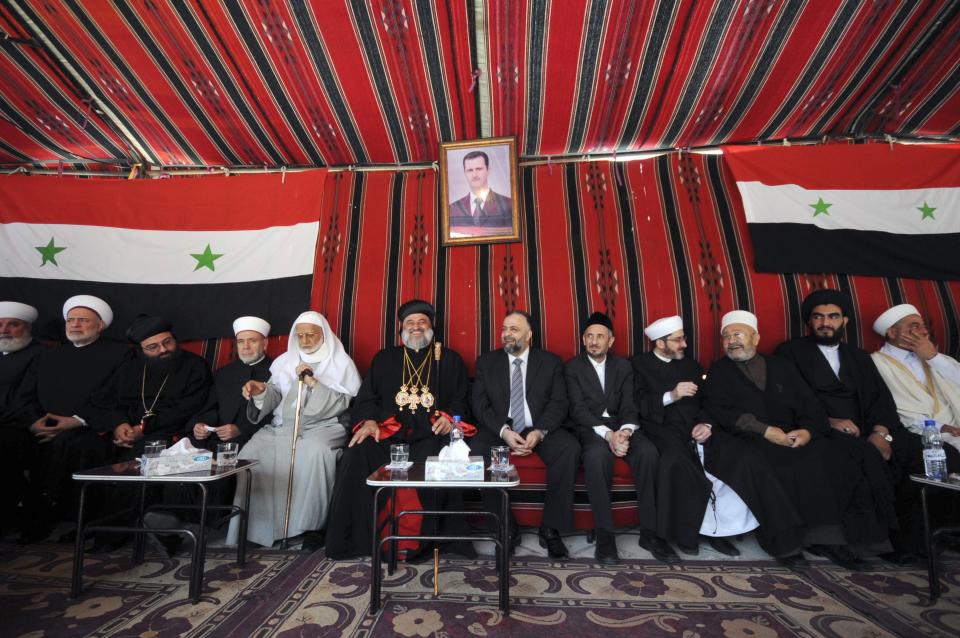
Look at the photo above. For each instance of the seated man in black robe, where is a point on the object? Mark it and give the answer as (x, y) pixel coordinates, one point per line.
(765, 401)
(17, 351)
(605, 418)
(858, 404)
(709, 484)
(150, 397)
(55, 402)
(410, 395)
(520, 399)
(223, 418)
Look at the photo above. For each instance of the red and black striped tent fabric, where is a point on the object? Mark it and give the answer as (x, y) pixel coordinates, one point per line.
(335, 82)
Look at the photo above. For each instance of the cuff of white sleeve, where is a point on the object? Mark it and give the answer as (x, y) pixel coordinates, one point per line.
(602, 431)
(667, 398)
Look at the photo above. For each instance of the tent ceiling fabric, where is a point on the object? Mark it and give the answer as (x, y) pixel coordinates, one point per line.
(290, 83)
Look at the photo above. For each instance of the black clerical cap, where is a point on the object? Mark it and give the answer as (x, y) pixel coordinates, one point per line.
(597, 318)
(415, 306)
(145, 326)
(825, 296)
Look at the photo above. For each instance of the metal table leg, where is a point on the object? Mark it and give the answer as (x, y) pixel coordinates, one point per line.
(199, 546)
(139, 538)
(375, 576)
(932, 577)
(244, 520)
(76, 583)
(394, 528)
(504, 566)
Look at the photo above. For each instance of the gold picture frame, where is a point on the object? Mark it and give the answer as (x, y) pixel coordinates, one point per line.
(487, 168)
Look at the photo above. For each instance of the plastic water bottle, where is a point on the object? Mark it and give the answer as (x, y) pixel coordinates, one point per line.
(456, 434)
(934, 458)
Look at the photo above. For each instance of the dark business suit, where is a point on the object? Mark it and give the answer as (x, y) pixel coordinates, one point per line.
(497, 210)
(546, 397)
(588, 401)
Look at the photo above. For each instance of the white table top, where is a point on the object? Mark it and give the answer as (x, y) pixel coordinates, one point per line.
(129, 471)
(414, 477)
(949, 483)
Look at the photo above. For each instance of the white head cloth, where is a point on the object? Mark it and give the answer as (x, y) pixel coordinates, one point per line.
(95, 304)
(739, 316)
(17, 310)
(663, 327)
(892, 316)
(251, 323)
(331, 364)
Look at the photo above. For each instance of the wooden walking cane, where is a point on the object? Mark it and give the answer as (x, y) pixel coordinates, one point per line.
(293, 456)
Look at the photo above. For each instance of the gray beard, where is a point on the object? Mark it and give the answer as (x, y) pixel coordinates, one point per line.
(250, 359)
(741, 355)
(417, 343)
(513, 348)
(13, 344)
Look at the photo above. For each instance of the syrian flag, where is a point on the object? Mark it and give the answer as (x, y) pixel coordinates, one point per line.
(866, 209)
(200, 251)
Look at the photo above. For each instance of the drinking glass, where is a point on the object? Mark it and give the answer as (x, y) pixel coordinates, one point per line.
(152, 449)
(227, 454)
(399, 454)
(499, 457)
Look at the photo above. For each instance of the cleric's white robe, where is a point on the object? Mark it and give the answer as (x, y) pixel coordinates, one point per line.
(322, 437)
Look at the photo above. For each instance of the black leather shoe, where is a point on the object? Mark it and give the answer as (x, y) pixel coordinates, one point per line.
(660, 548)
(901, 558)
(839, 555)
(550, 538)
(794, 561)
(689, 550)
(723, 546)
(606, 549)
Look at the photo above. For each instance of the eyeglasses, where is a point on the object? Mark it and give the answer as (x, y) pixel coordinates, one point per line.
(166, 344)
(308, 336)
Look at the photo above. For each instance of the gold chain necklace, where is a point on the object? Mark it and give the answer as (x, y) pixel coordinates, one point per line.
(148, 412)
(413, 391)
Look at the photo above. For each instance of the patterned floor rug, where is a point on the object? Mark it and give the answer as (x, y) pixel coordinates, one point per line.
(291, 594)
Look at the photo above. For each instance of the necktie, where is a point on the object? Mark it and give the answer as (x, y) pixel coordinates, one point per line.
(478, 211)
(516, 397)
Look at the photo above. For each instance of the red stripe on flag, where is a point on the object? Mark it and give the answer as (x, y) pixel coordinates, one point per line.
(848, 166)
(208, 203)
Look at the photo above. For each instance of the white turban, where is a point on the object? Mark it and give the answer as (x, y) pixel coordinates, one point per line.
(739, 316)
(663, 327)
(17, 310)
(251, 323)
(892, 316)
(96, 304)
(331, 364)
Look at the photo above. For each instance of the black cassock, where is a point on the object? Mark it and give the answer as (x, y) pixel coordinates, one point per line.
(226, 404)
(351, 508)
(824, 478)
(683, 490)
(173, 390)
(62, 381)
(16, 442)
(859, 394)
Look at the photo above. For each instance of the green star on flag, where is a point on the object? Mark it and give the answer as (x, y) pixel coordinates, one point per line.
(820, 208)
(206, 258)
(927, 211)
(49, 253)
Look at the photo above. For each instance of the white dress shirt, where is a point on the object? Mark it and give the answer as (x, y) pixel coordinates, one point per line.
(832, 354)
(601, 369)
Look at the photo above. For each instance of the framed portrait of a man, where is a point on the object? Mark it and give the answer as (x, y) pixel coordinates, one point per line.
(479, 203)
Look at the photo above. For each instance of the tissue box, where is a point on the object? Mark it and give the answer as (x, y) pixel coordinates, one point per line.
(176, 464)
(437, 470)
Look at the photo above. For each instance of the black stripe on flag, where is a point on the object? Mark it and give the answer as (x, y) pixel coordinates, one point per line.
(198, 311)
(786, 247)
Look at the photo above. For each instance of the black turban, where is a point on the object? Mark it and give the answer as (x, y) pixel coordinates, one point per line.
(825, 296)
(145, 326)
(597, 318)
(415, 306)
